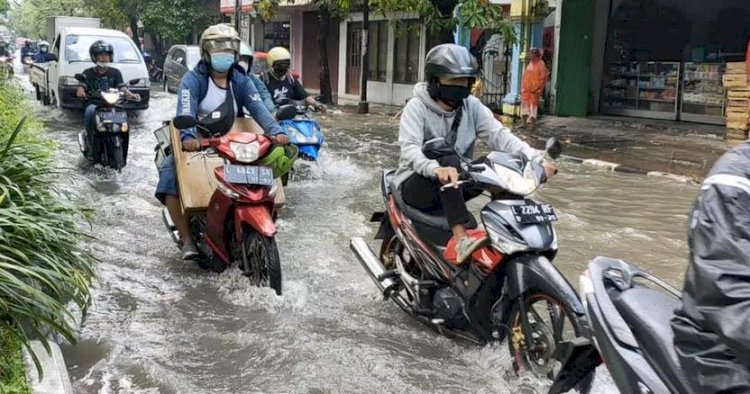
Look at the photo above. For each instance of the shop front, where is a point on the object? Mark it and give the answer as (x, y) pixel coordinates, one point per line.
(664, 59)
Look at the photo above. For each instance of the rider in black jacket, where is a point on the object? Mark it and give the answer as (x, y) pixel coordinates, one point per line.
(712, 327)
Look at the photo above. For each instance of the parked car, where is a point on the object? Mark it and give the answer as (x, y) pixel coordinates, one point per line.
(179, 60)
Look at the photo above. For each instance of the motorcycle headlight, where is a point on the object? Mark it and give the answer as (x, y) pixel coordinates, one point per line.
(227, 191)
(504, 245)
(111, 97)
(246, 153)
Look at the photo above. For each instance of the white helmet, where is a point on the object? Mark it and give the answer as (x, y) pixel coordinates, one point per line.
(219, 36)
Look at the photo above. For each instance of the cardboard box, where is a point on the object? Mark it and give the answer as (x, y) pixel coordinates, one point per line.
(736, 68)
(734, 81)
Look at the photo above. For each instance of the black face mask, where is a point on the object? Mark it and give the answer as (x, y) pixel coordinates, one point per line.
(281, 68)
(453, 95)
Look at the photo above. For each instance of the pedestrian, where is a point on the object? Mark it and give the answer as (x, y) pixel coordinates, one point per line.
(532, 86)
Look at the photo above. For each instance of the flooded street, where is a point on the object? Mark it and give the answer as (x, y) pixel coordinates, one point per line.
(157, 325)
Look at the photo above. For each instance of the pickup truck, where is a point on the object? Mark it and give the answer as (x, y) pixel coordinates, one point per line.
(54, 82)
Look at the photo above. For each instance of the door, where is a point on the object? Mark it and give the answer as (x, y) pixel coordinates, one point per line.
(354, 57)
(310, 56)
(52, 73)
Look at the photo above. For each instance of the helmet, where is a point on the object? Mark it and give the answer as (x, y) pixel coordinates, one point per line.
(147, 57)
(43, 44)
(246, 50)
(218, 37)
(99, 47)
(450, 61)
(280, 159)
(277, 54)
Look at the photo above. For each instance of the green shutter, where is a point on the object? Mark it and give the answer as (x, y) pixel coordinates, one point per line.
(574, 59)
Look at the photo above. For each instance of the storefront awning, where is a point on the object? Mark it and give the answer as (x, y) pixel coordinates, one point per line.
(228, 6)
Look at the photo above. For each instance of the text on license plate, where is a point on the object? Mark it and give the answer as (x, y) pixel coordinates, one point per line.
(248, 175)
(114, 117)
(534, 213)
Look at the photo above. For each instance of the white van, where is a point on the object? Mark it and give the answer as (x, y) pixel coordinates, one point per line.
(71, 56)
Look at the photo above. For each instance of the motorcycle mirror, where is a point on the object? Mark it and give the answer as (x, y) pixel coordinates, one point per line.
(437, 147)
(80, 77)
(284, 101)
(553, 147)
(286, 112)
(134, 81)
(184, 122)
(50, 57)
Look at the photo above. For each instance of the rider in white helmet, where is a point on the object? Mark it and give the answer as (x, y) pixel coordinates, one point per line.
(246, 62)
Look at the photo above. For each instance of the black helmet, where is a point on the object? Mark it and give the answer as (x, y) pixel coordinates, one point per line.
(99, 47)
(451, 61)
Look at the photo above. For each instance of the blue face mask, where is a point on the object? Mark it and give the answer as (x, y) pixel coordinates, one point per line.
(221, 62)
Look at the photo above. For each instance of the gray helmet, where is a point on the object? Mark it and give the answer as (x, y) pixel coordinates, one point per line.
(450, 61)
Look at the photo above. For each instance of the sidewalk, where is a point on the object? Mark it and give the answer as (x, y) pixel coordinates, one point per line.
(641, 145)
(679, 148)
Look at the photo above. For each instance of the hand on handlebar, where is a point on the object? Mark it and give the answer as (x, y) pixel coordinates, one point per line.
(191, 145)
(80, 92)
(447, 176)
(282, 139)
(550, 168)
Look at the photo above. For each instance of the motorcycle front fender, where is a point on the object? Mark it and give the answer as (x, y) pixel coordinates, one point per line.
(259, 217)
(535, 272)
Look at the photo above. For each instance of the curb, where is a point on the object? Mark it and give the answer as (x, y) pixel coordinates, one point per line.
(616, 167)
(55, 379)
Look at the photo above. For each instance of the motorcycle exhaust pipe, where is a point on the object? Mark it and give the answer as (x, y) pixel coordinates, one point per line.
(170, 226)
(370, 263)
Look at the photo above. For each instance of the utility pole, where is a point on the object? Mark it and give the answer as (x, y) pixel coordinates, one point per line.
(364, 106)
(237, 7)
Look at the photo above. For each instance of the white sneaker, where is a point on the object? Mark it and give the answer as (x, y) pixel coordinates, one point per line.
(466, 246)
(189, 251)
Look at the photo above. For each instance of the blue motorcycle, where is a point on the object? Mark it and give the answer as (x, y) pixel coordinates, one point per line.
(303, 131)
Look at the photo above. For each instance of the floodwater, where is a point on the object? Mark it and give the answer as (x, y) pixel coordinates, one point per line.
(157, 325)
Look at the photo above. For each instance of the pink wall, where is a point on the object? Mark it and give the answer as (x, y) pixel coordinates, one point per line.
(296, 38)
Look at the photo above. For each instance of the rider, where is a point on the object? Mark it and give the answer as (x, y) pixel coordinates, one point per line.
(246, 62)
(443, 107)
(99, 78)
(41, 56)
(4, 51)
(27, 49)
(203, 91)
(712, 327)
(280, 81)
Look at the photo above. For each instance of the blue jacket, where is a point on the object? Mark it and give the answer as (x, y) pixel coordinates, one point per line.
(194, 87)
(265, 95)
(40, 57)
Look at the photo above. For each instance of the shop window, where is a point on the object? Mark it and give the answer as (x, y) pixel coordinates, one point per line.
(406, 53)
(378, 51)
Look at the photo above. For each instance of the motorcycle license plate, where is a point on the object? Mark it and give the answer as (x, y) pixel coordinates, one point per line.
(113, 117)
(248, 175)
(534, 213)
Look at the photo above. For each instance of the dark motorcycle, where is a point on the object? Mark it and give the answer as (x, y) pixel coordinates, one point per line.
(630, 312)
(509, 288)
(108, 145)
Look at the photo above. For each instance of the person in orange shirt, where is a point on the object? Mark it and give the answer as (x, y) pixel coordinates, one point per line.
(532, 86)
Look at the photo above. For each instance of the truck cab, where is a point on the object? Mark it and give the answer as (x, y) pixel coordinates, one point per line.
(70, 51)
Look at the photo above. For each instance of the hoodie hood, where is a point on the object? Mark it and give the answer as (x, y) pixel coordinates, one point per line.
(420, 91)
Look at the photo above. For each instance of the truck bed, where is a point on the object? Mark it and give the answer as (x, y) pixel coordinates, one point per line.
(38, 75)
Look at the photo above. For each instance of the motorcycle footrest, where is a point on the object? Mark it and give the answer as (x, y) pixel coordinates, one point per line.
(390, 274)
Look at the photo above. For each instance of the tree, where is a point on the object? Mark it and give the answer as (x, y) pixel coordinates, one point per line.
(30, 17)
(4, 6)
(436, 14)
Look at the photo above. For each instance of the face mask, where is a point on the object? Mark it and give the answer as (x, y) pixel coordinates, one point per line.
(453, 95)
(102, 64)
(244, 66)
(221, 62)
(280, 69)
(43, 50)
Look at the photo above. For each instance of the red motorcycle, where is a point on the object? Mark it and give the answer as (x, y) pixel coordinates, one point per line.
(240, 226)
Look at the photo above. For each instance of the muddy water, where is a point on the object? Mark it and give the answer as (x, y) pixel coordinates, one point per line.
(157, 325)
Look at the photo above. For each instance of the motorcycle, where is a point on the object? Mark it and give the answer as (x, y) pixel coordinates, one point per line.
(240, 226)
(630, 312)
(304, 132)
(27, 61)
(6, 67)
(508, 289)
(108, 145)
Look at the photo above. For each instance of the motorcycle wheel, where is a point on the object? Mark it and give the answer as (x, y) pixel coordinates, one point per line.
(114, 155)
(259, 260)
(551, 322)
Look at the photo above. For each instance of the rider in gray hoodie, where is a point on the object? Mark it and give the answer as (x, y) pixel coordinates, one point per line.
(443, 107)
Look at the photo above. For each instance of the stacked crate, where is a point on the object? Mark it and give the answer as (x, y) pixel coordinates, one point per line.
(738, 103)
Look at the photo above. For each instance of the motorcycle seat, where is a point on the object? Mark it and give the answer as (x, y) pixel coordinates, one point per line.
(648, 312)
(436, 220)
